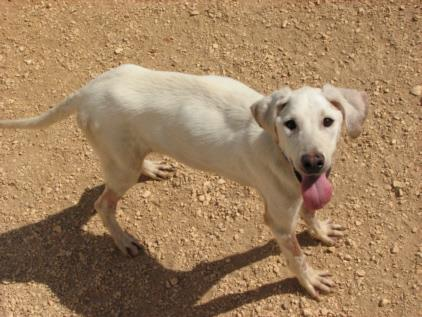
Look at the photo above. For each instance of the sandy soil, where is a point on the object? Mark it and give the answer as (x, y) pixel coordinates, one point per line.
(208, 252)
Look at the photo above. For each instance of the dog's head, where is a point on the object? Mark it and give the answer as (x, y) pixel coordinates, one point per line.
(306, 124)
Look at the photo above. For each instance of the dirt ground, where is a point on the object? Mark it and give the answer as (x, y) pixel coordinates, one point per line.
(207, 250)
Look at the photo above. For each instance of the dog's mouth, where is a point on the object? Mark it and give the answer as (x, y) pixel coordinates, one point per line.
(316, 189)
(299, 176)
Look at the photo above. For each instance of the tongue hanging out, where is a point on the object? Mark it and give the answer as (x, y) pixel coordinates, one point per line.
(316, 191)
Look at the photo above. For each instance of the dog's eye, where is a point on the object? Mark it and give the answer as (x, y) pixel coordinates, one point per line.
(290, 124)
(327, 122)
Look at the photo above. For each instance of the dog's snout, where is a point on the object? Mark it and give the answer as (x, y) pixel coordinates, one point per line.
(312, 163)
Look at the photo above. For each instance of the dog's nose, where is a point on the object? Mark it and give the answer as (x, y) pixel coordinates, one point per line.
(312, 163)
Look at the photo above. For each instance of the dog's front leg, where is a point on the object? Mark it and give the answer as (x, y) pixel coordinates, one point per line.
(323, 230)
(309, 278)
(283, 227)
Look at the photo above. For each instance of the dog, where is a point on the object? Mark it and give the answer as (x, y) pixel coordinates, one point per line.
(281, 144)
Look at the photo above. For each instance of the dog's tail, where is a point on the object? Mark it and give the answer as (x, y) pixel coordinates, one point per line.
(55, 114)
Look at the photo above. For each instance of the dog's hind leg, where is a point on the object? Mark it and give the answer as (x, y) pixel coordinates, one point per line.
(118, 181)
(122, 165)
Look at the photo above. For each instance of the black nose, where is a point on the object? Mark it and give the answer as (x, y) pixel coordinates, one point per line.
(312, 163)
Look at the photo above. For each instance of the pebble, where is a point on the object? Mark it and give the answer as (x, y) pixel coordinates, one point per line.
(397, 184)
(146, 194)
(330, 249)
(174, 281)
(360, 273)
(118, 51)
(57, 229)
(394, 249)
(416, 90)
(347, 257)
(307, 312)
(193, 13)
(383, 302)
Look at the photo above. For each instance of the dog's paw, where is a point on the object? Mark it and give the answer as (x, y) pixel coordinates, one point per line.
(327, 232)
(128, 245)
(314, 281)
(157, 170)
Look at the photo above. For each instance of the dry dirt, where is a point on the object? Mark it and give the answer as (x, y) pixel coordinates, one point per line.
(208, 251)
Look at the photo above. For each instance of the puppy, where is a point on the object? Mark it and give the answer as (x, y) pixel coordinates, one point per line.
(281, 144)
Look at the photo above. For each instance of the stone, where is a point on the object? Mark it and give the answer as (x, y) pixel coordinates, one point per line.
(394, 249)
(118, 51)
(416, 90)
(146, 194)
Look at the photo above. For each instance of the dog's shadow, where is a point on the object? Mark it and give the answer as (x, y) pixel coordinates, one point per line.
(92, 281)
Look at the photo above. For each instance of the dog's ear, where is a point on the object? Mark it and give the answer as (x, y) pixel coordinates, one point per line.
(352, 103)
(266, 110)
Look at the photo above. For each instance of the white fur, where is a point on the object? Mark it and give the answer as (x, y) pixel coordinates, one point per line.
(206, 122)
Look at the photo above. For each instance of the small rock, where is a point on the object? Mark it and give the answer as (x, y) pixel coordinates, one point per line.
(307, 312)
(284, 24)
(221, 181)
(383, 302)
(350, 242)
(174, 281)
(360, 273)
(201, 198)
(394, 249)
(146, 194)
(416, 90)
(330, 249)
(347, 257)
(215, 46)
(193, 13)
(57, 229)
(325, 312)
(399, 192)
(118, 51)
(397, 184)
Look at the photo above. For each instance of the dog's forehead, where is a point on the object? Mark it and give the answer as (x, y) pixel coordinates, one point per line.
(306, 100)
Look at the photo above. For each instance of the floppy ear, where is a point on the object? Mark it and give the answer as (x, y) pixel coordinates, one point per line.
(352, 103)
(266, 110)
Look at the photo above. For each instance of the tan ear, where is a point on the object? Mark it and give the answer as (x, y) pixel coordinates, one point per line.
(266, 110)
(352, 103)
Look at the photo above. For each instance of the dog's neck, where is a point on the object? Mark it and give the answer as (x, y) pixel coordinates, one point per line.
(280, 165)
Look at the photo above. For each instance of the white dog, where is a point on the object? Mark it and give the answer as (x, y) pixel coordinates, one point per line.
(281, 144)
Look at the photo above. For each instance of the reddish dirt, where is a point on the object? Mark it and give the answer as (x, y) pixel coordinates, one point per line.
(207, 250)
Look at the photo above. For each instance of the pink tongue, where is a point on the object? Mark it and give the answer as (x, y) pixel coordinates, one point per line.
(316, 191)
